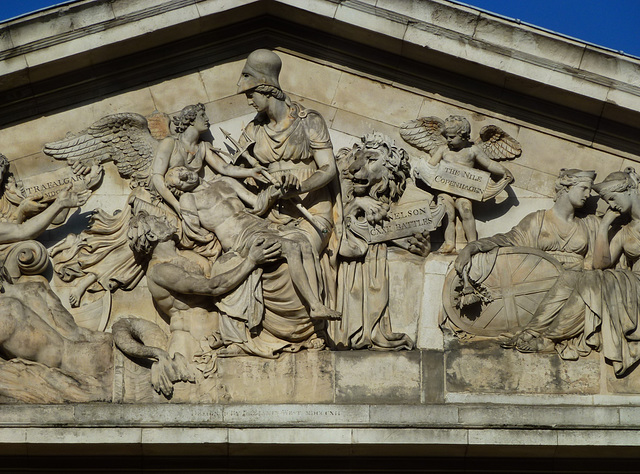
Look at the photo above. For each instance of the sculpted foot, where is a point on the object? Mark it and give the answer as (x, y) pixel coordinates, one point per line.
(530, 343)
(75, 297)
(323, 312)
(314, 344)
(447, 248)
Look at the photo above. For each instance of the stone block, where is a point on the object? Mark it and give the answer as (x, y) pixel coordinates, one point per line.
(413, 415)
(484, 367)
(540, 416)
(229, 108)
(378, 30)
(184, 441)
(296, 415)
(282, 380)
(377, 377)
(392, 105)
(220, 80)
(254, 380)
(629, 384)
(314, 377)
(527, 42)
(41, 415)
(327, 112)
(429, 332)
(172, 95)
(625, 70)
(410, 436)
(542, 183)
(139, 101)
(147, 415)
(16, 141)
(521, 443)
(290, 441)
(301, 78)
(359, 125)
(433, 379)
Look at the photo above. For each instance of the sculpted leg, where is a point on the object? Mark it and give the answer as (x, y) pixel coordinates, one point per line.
(81, 286)
(465, 210)
(449, 245)
(303, 283)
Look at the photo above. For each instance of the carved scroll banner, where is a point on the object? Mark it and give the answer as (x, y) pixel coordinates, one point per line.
(459, 180)
(403, 220)
(51, 183)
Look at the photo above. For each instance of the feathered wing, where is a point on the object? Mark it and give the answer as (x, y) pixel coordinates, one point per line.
(122, 138)
(424, 133)
(498, 144)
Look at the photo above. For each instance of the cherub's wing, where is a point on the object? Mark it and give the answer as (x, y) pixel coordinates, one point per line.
(122, 138)
(424, 133)
(498, 144)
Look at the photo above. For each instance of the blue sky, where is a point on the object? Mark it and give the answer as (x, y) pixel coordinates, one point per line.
(613, 23)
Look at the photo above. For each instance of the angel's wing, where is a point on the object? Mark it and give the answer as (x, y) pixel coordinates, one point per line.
(122, 138)
(498, 144)
(424, 133)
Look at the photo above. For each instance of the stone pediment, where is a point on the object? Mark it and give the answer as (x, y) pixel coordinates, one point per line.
(88, 93)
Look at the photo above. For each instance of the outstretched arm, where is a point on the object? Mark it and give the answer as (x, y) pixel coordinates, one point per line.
(222, 167)
(32, 228)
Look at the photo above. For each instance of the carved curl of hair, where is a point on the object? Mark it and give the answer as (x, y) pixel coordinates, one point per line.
(458, 124)
(396, 163)
(270, 91)
(187, 116)
(142, 239)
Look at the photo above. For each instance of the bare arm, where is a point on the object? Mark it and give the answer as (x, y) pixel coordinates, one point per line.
(605, 255)
(243, 193)
(32, 228)
(175, 279)
(220, 166)
(159, 168)
(437, 155)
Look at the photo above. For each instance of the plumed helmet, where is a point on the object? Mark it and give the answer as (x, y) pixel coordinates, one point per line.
(262, 67)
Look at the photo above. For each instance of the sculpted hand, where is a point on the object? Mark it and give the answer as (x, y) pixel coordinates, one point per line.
(609, 216)
(464, 259)
(266, 199)
(262, 252)
(290, 186)
(68, 198)
(31, 206)
(420, 244)
(257, 173)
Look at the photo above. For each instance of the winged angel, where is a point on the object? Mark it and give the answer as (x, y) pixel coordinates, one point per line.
(450, 152)
(143, 151)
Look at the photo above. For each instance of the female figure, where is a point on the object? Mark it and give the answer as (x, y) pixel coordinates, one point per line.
(570, 240)
(557, 231)
(294, 144)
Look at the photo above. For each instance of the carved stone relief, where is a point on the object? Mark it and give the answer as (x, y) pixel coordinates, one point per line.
(275, 245)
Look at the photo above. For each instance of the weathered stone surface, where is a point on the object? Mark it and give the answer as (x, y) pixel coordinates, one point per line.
(377, 377)
(484, 366)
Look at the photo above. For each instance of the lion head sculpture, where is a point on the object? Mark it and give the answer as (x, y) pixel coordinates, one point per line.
(375, 167)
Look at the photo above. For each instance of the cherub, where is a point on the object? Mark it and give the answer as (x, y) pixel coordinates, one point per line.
(218, 206)
(449, 141)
